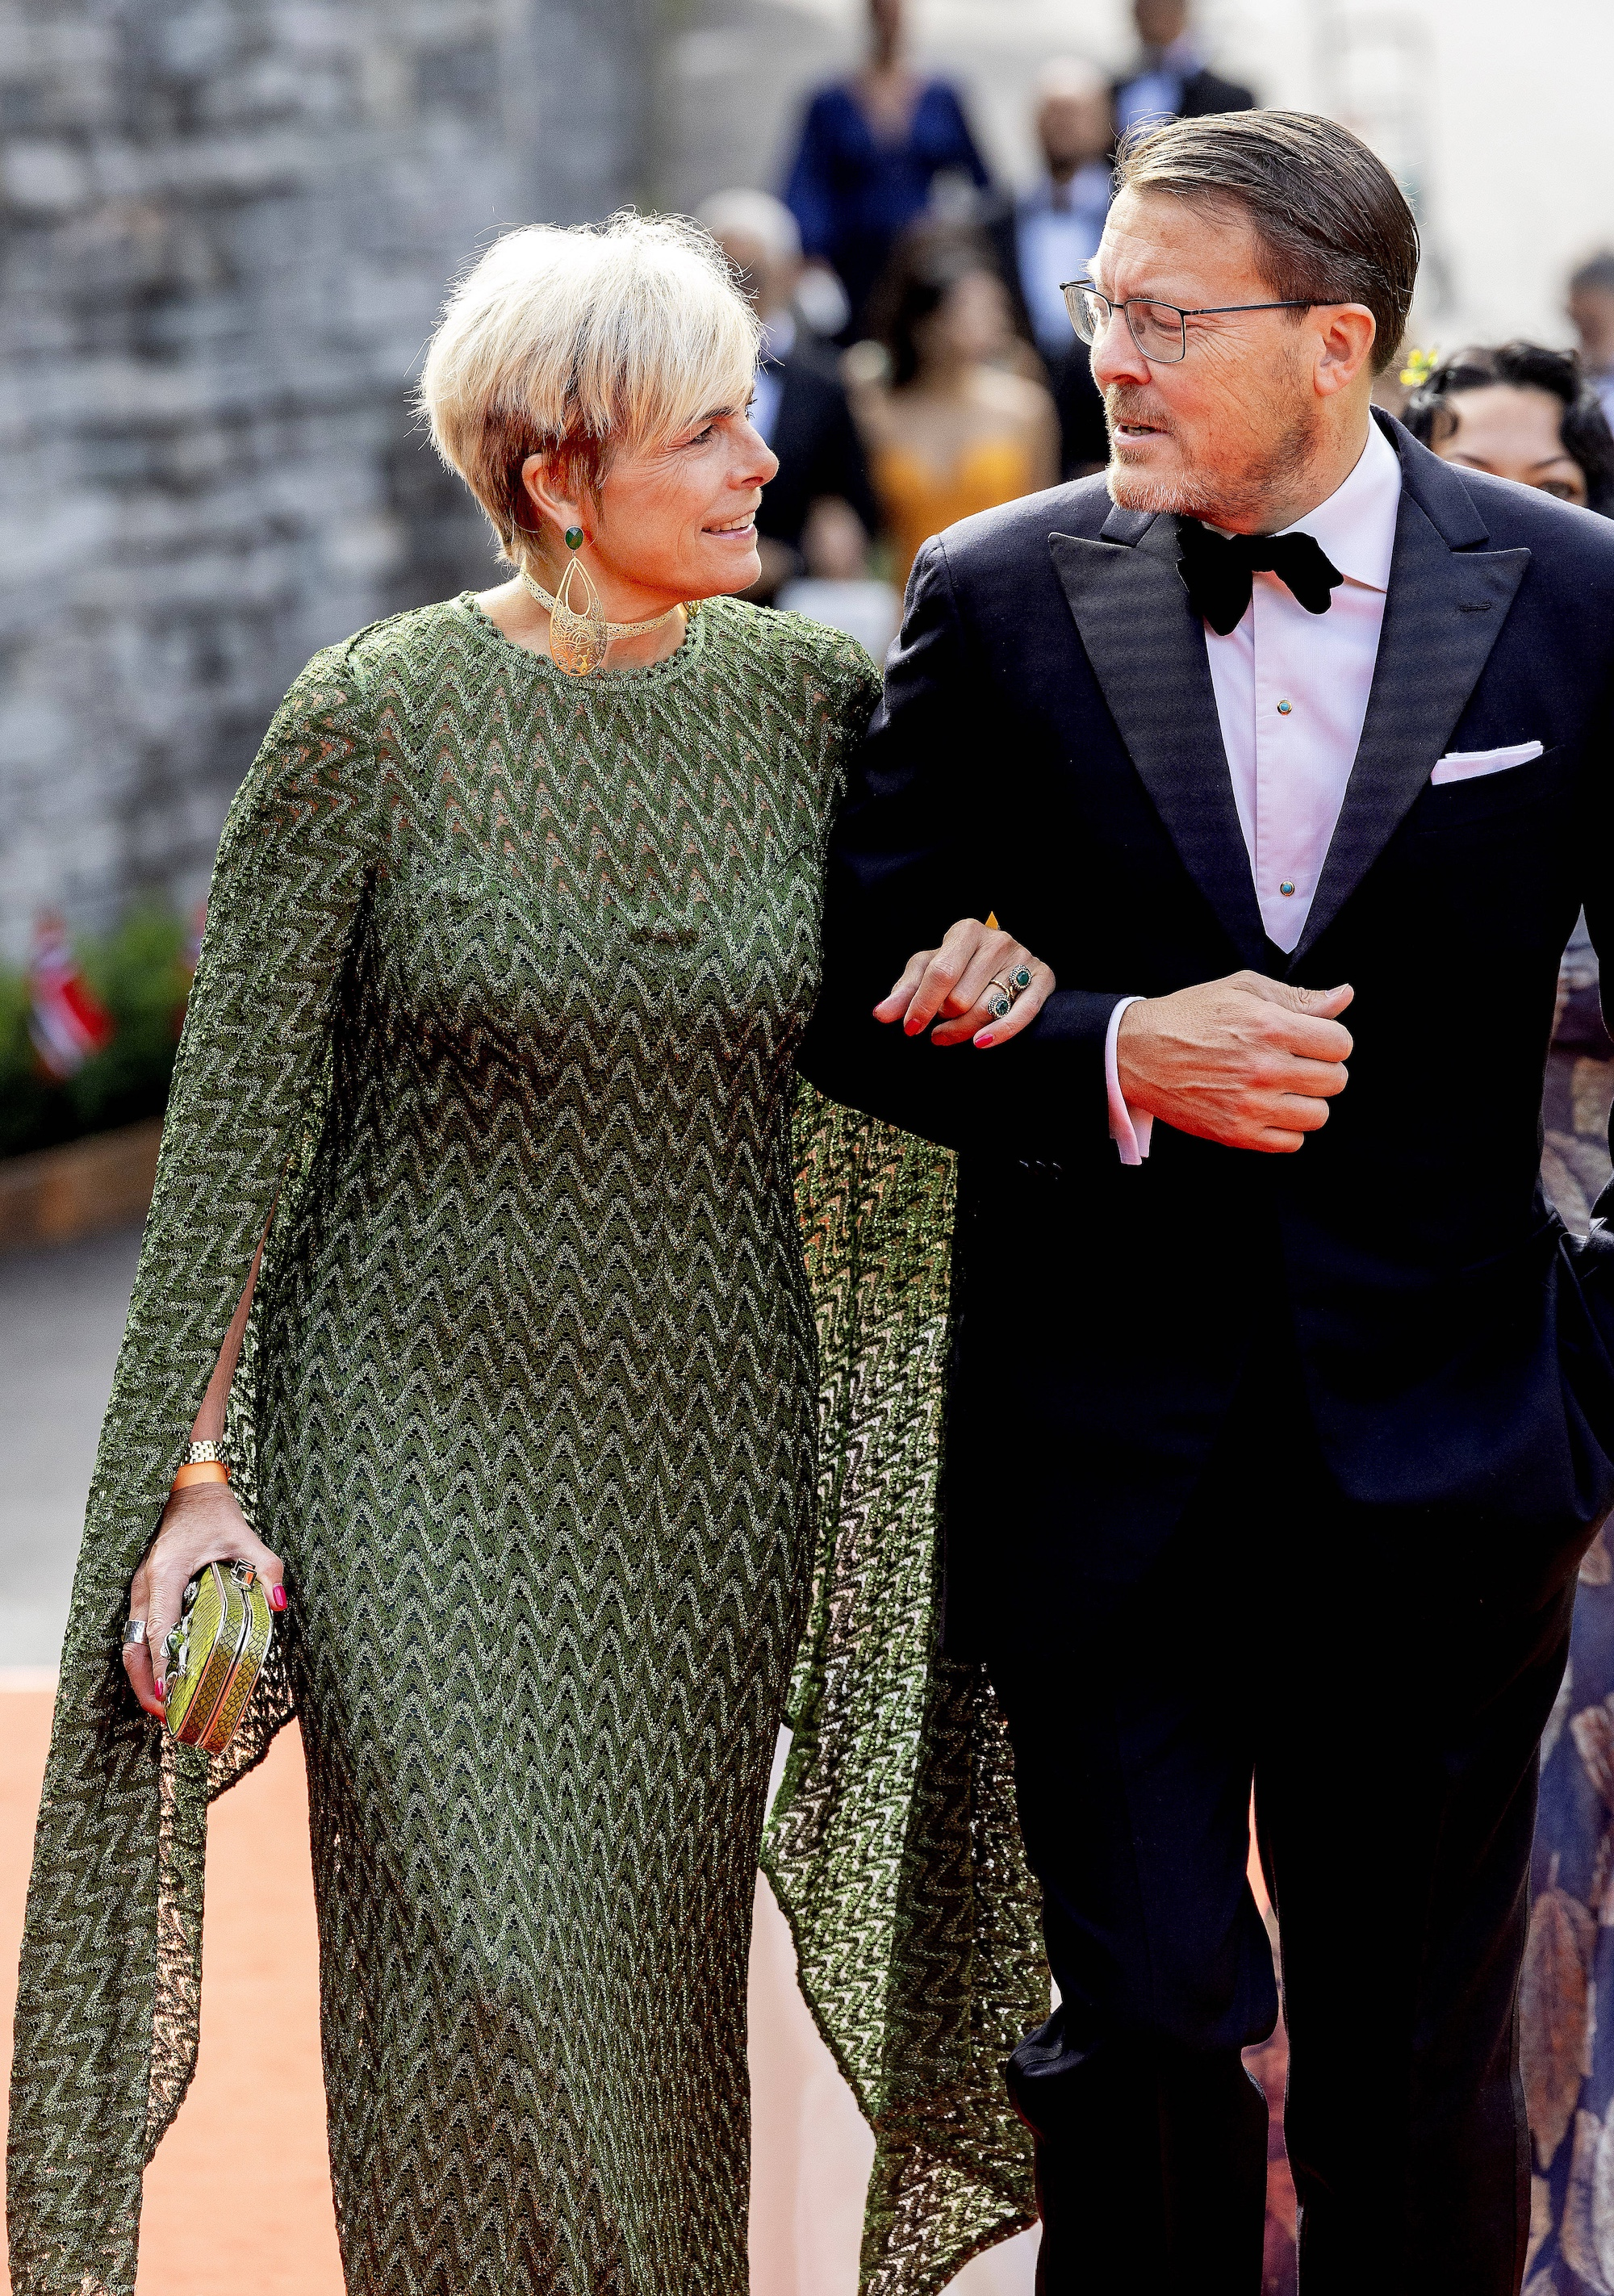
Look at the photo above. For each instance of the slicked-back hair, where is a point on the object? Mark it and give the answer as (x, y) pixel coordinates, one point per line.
(1329, 218)
(573, 343)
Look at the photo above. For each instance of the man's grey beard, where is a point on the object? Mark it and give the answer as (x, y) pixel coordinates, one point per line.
(1241, 504)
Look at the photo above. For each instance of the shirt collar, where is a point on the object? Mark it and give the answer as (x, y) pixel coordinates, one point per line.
(1355, 527)
(1181, 56)
(1088, 187)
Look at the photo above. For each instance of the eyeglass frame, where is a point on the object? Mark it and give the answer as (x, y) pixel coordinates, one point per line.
(1068, 288)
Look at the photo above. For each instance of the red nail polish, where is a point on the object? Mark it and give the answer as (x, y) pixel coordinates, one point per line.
(278, 1598)
(983, 1040)
(162, 1687)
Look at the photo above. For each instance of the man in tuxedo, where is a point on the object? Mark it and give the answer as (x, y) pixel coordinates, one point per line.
(801, 407)
(1171, 80)
(1049, 233)
(1280, 1409)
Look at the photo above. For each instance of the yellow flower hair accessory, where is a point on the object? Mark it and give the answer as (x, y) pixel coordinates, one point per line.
(1420, 365)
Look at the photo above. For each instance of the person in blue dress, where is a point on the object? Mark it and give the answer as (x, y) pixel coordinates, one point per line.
(871, 151)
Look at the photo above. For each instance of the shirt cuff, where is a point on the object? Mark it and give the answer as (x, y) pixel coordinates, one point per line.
(1131, 1133)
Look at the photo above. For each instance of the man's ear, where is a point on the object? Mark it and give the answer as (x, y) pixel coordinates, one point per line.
(1346, 344)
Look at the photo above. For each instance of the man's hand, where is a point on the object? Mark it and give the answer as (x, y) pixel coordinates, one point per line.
(958, 981)
(1248, 1061)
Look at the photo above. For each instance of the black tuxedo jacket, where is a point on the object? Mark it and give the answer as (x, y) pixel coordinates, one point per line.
(817, 445)
(1048, 747)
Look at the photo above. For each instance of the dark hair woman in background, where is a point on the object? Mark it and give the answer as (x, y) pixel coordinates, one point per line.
(953, 424)
(1519, 412)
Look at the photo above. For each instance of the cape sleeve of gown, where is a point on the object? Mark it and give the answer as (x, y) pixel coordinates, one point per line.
(109, 1984)
(893, 1846)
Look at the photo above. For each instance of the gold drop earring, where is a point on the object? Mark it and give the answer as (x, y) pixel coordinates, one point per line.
(579, 639)
(577, 636)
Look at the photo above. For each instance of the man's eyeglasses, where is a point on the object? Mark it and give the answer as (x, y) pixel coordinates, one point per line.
(1159, 330)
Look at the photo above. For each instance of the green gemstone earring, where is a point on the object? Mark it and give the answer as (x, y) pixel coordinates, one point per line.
(574, 537)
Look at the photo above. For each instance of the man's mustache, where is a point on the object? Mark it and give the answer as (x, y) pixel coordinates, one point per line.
(1125, 404)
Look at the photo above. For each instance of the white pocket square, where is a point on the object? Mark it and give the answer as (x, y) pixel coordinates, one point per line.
(1469, 765)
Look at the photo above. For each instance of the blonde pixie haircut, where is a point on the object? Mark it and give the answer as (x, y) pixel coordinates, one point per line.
(573, 343)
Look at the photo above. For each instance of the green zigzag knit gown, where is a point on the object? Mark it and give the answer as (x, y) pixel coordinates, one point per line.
(494, 1019)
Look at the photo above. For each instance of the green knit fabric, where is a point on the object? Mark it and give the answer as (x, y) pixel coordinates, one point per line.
(493, 1029)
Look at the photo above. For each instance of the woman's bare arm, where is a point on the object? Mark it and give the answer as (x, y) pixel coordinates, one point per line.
(201, 1523)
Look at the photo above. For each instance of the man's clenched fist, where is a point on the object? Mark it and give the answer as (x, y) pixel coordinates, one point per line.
(1248, 1061)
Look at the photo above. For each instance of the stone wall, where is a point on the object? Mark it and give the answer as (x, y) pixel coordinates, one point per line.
(227, 226)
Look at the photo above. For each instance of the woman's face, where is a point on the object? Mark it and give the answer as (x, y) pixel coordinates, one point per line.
(675, 521)
(970, 323)
(1516, 434)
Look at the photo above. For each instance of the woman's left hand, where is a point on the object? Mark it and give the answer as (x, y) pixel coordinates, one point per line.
(974, 965)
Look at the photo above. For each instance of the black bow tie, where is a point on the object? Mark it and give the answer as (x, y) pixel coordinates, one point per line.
(1218, 572)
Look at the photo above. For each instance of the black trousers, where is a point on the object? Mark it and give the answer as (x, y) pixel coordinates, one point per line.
(1385, 1692)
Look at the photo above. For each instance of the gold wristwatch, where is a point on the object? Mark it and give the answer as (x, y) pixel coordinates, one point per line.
(201, 1463)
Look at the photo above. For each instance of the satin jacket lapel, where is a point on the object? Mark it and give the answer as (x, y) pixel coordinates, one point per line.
(1147, 649)
(1443, 614)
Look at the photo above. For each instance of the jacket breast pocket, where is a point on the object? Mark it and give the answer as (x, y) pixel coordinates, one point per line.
(1488, 796)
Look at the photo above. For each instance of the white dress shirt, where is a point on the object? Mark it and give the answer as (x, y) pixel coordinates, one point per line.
(1291, 691)
(1057, 229)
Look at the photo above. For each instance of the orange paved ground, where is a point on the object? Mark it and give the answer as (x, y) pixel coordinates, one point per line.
(253, 2126)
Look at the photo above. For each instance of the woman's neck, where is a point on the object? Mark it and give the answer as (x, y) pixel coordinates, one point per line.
(516, 614)
(888, 92)
(944, 379)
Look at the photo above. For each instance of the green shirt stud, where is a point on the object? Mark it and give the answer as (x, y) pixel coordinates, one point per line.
(1284, 708)
(1286, 887)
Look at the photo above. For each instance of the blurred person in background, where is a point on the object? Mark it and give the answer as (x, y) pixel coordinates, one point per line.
(1171, 80)
(1592, 315)
(799, 407)
(1049, 234)
(1523, 412)
(873, 150)
(950, 427)
(483, 1121)
(838, 588)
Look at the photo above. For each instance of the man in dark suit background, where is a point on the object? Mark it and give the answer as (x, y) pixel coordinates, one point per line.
(1171, 80)
(801, 406)
(1050, 234)
(1274, 1439)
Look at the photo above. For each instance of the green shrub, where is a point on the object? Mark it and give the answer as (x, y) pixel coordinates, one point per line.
(139, 974)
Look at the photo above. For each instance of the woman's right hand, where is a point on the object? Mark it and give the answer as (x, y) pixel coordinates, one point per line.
(953, 981)
(201, 1524)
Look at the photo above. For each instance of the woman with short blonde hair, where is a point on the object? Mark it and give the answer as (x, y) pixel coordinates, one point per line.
(472, 1315)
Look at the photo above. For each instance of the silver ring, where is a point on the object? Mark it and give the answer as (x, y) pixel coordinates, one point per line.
(1020, 977)
(1000, 1008)
(134, 1633)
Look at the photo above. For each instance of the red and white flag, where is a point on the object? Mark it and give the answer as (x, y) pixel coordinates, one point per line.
(66, 1019)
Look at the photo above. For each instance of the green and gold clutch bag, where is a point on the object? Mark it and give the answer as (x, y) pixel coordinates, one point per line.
(215, 1653)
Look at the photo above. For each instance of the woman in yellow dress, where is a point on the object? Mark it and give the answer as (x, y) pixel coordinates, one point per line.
(950, 425)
